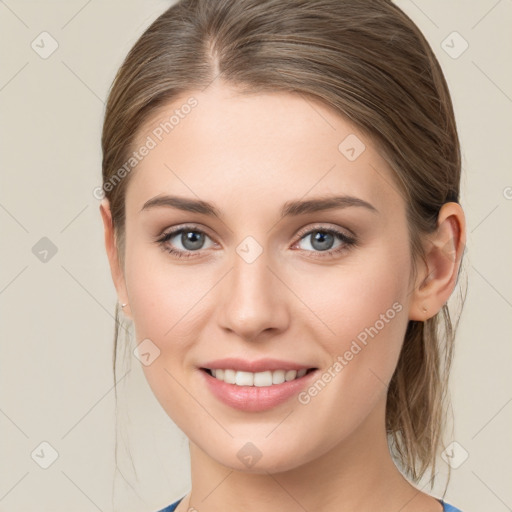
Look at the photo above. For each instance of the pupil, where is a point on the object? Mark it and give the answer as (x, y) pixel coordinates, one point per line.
(322, 241)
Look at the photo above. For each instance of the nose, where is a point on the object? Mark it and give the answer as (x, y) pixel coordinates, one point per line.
(254, 300)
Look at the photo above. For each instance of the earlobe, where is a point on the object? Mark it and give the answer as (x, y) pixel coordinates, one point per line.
(112, 253)
(443, 255)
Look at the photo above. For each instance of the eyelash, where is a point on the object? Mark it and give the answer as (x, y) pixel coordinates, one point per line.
(347, 241)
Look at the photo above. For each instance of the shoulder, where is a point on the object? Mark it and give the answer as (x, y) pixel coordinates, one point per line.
(172, 507)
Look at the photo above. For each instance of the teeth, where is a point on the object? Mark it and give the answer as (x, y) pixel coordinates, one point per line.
(259, 379)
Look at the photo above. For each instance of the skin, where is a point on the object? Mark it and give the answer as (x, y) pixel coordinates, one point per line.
(250, 154)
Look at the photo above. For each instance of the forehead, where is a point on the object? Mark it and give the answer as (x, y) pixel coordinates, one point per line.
(253, 149)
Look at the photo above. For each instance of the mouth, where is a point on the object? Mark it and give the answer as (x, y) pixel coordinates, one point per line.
(258, 391)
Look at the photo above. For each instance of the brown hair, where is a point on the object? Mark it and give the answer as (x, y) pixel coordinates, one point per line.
(367, 61)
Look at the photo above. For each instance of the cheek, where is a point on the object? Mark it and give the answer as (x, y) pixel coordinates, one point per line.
(163, 295)
(363, 309)
(166, 306)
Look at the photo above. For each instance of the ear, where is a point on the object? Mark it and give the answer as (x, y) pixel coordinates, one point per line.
(112, 253)
(437, 274)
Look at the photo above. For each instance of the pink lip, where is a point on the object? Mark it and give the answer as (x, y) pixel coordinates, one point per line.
(254, 398)
(261, 365)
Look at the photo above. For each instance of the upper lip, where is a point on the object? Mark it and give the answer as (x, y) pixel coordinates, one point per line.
(233, 363)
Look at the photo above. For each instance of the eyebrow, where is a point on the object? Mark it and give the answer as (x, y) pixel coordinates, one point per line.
(290, 208)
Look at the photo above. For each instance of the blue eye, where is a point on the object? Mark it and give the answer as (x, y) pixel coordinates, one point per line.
(192, 241)
(322, 240)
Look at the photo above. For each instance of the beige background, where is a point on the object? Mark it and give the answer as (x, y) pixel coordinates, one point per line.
(57, 325)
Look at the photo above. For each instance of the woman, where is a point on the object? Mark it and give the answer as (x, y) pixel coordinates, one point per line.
(282, 224)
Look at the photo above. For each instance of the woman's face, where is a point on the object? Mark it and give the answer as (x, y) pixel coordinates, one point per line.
(253, 283)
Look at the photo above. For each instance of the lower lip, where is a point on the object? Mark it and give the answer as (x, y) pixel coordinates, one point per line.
(255, 398)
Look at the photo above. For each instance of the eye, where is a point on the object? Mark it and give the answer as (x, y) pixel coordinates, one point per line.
(184, 241)
(321, 240)
(188, 241)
